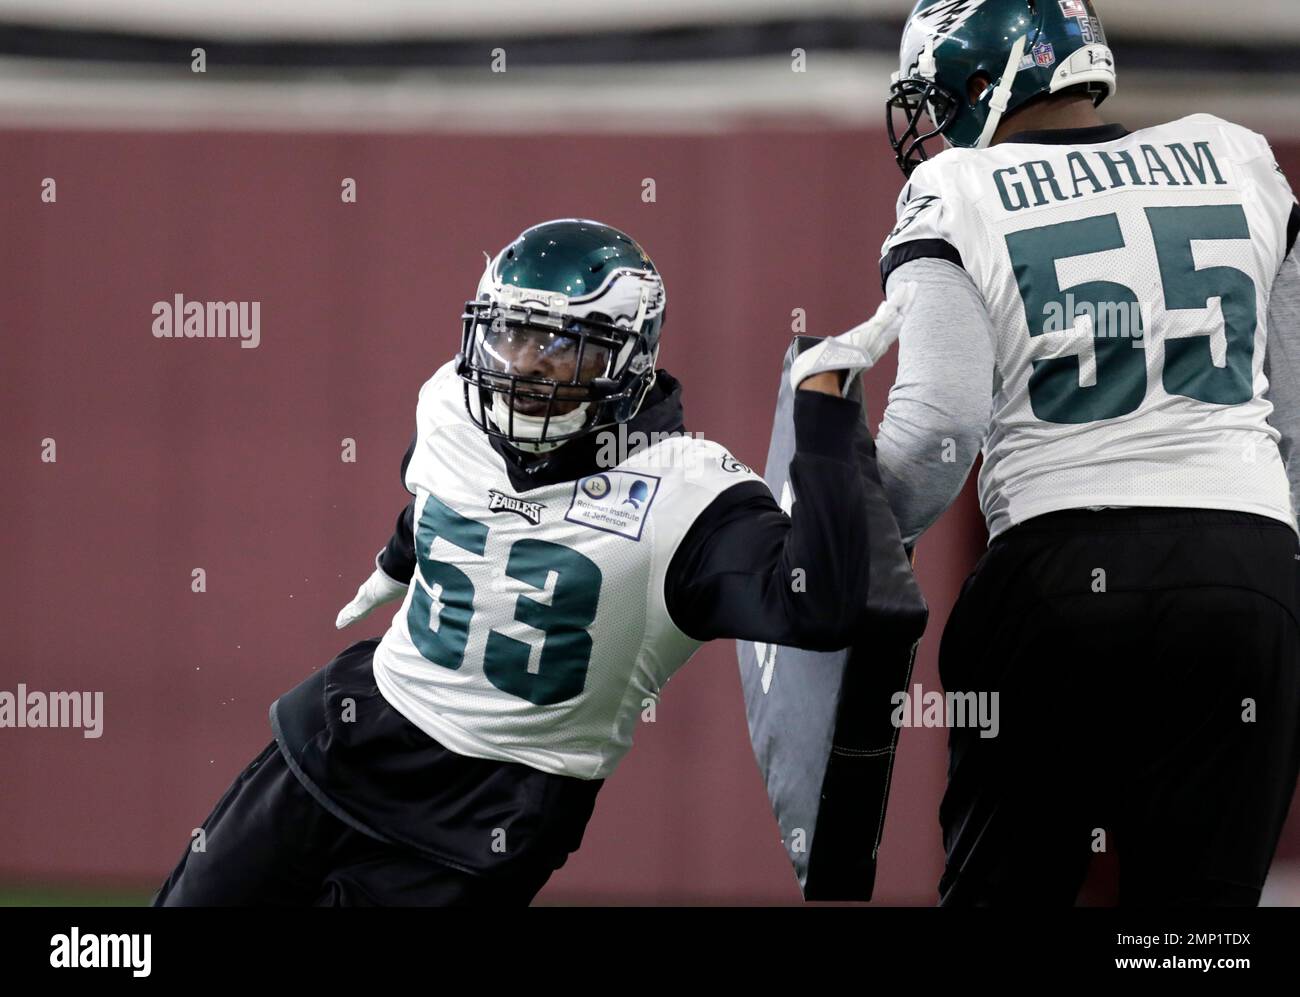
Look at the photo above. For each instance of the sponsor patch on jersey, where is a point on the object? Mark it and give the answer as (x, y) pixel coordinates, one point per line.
(501, 502)
(613, 501)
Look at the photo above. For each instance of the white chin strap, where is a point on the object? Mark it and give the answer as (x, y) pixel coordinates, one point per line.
(529, 427)
(1002, 94)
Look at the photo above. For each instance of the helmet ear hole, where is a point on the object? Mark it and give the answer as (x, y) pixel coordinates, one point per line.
(977, 86)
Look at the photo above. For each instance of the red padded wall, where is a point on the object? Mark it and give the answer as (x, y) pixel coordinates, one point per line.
(174, 455)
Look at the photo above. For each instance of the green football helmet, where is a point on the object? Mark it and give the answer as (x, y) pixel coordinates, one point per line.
(1023, 48)
(562, 337)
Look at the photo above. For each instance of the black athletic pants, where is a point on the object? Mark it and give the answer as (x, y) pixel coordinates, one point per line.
(1147, 667)
(269, 843)
(372, 811)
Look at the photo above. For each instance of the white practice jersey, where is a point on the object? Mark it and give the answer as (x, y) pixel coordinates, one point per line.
(534, 629)
(1128, 285)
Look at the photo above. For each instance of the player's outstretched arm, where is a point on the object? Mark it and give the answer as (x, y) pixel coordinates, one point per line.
(748, 570)
(374, 591)
(394, 565)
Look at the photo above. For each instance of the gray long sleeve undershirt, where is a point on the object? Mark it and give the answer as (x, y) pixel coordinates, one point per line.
(940, 405)
(1282, 367)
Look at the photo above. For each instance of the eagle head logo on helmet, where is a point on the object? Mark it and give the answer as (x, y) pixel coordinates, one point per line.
(562, 337)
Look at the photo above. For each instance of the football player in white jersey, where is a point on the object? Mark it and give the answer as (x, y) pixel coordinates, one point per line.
(1110, 318)
(567, 548)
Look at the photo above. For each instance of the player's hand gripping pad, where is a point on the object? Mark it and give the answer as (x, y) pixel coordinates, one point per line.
(820, 723)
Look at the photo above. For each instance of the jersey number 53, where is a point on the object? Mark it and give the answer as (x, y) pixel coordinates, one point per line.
(442, 608)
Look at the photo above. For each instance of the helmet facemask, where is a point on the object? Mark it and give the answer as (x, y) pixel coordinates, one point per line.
(538, 375)
(927, 110)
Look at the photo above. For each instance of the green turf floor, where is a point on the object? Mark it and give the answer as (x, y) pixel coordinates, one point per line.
(37, 896)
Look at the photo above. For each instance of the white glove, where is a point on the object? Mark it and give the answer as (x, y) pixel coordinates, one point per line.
(375, 591)
(861, 347)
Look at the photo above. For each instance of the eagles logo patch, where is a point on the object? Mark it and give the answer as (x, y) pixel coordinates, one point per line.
(501, 502)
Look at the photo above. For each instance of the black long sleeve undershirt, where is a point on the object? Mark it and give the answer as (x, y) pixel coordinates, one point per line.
(735, 573)
(397, 559)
